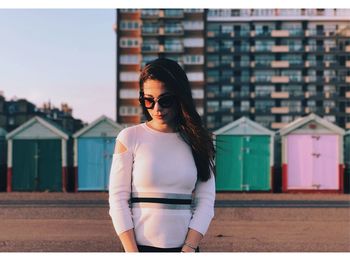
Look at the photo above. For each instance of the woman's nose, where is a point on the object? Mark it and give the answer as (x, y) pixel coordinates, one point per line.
(157, 107)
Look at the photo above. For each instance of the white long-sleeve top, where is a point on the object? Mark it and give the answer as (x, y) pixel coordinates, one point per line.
(158, 165)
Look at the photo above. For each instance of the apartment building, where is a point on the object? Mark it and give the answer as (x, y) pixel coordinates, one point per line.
(271, 65)
(144, 35)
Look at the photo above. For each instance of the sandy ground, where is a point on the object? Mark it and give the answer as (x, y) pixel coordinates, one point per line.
(82, 229)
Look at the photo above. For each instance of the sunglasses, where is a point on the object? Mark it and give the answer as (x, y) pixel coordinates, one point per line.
(164, 101)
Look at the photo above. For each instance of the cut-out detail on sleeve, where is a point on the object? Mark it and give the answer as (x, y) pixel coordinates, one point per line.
(120, 148)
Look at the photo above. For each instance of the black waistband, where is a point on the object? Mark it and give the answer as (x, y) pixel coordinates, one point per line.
(161, 200)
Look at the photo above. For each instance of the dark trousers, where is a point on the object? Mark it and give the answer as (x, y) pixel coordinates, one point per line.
(158, 249)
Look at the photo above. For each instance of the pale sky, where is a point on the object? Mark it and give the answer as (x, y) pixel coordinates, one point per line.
(62, 56)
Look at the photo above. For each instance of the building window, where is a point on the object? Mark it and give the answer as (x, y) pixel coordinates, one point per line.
(173, 28)
(150, 45)
(11, 121)
(150, 28)
(213, 91)
(197, 93)
(212, 106)
(226, 118)
(294, 106)
(264, 60)
(195, 76)
(129, 93)
(129, 76)
(194, 42)
(130, 110)
(213, 76)
(129, 42)
(129, 25)
(264, 45)
(227, 104)
(295, 29)
(173, 45)
(194, 59)
(265, 120)
(262, 90)
(193, 25)
(294, 90)
(150, 12)
(264, 106)
(129, 60)
(245, 106)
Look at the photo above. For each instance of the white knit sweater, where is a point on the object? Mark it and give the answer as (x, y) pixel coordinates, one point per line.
(158, 165)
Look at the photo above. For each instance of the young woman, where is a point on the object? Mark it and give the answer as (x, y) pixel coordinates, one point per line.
(162, 187)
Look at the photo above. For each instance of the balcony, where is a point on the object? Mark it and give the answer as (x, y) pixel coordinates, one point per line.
(173, 48)
(171, 30)
(173, 13)
(150, 30)
(279, 64)
(347, 64)
(280, 33)
(347, 94)
(150, 48)
(280, 79)
(279, 110)
(211, 64)
(347, 79)
(277, 125)
(280, 48)
(347, 48)
(347, 110)
(150, 14)
(280, 95)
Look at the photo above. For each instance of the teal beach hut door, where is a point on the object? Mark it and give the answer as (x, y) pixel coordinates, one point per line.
(256, 163)
(228, 163)
(94, 160)
(242, 163)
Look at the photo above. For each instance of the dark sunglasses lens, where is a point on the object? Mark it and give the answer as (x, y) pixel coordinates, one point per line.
(149, 102)
(166, 101)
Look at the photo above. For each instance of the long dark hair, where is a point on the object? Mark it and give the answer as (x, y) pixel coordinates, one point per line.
(188, 122)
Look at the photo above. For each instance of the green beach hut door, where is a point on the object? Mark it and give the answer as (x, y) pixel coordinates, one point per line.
(242, 163)
(37, 165)
(229, 163)
(256, 163)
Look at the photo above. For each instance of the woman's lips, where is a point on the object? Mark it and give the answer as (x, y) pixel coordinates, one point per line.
(159, 116)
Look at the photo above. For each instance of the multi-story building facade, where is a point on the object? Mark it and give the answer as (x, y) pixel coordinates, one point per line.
(271, 65)
(144, 35)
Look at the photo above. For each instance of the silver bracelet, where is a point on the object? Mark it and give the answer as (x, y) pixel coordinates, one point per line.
(186, 244)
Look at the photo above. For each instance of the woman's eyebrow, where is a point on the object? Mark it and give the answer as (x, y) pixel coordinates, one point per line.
(164, 94)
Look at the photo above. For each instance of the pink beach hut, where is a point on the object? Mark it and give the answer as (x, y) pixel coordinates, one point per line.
(312, 156)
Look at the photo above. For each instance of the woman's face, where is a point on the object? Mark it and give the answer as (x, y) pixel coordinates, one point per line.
(154, 89)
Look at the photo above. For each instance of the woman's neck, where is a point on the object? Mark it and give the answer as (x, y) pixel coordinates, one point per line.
(166, 128)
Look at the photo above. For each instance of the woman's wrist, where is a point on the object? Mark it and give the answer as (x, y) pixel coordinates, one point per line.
(187, 247)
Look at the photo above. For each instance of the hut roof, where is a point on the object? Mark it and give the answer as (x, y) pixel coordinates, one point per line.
(95, 123)
(243, 126)
(53, 127)
(311, 117)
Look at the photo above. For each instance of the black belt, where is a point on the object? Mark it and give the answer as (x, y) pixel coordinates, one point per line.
(161, 200)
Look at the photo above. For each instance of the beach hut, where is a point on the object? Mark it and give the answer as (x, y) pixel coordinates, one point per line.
(3, 158)
(347, 162)
(312, 155)
(244, 156)
(37, 157)
(93, 152)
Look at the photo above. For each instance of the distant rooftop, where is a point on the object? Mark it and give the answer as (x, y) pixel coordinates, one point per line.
(278, 14)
